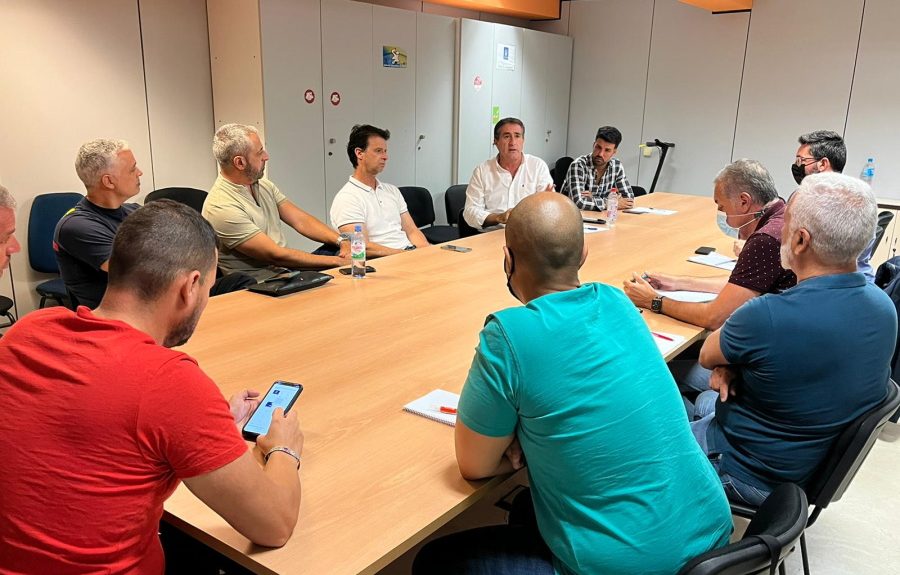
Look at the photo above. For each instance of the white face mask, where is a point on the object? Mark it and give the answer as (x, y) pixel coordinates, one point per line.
(722, 221)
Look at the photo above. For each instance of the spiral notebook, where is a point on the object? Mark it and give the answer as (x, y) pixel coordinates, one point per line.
(430, 406)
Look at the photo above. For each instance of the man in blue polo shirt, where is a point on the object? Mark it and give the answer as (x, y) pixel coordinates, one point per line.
(618, 482)
(790, 371)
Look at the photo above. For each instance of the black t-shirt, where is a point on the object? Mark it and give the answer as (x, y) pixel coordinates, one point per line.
(82, 242)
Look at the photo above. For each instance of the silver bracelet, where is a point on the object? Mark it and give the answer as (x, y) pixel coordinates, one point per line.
(284, 449)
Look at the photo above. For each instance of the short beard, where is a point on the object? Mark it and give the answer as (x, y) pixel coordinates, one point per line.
(183, 331)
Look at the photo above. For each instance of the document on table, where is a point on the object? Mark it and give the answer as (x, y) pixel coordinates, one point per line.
(689, 296)
(666, 342)
(438, 405)
(594, 228)
(655, 211)
(715, 260)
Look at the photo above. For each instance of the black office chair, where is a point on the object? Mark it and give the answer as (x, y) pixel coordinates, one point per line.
(46, 211)
(421, 208)
(638, 191)
(559, 171)
(454, 201)
(465, 230)
(6, 305)
(884, 219)
(770, 537)
(844, 460)
(188, 196)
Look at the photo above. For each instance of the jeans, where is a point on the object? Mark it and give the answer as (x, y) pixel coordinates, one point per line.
(689, 375)
(514, 549)
(735, 489)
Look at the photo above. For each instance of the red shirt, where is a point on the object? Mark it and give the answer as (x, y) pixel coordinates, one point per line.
(758, 268)
(100, 423)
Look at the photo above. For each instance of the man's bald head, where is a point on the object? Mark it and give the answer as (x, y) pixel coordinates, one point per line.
(545, 234)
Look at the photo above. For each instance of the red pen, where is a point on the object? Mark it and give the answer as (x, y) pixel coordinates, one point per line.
(661, 336)
(447, 409)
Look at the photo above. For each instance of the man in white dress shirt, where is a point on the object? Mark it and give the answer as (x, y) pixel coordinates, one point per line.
(376, 206)
(500, 183)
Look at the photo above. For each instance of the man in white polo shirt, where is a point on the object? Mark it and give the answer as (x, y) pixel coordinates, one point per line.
(376, 206)
(498, 184)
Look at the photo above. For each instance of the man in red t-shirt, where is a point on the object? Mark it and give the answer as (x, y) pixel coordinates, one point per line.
(749, 209)
(105, 419)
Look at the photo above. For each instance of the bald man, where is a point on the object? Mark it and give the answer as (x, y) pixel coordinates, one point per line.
(619, 484)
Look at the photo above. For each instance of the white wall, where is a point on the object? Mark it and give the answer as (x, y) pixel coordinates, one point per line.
(75, 71)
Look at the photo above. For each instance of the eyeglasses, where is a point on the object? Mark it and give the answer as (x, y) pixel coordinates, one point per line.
(801, 161)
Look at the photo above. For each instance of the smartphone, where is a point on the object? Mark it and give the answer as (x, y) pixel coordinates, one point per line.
(594, 220)
(282, 394)
(348, 271)
(704, 250)
(460, 249)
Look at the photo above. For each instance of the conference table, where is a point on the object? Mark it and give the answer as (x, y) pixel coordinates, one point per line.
(378, 480)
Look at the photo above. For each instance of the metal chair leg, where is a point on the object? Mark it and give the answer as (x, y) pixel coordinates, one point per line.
(803, 554)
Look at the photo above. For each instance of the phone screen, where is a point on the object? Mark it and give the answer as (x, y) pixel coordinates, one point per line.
(282, 394)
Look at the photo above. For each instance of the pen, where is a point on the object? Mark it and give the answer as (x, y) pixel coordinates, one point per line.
(591, 229)
(447, 409)
(659, 335)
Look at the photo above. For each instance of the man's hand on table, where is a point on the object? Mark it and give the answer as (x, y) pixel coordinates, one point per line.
(639, 291)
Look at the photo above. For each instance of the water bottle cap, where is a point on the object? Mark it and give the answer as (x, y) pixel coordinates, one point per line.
(358, 228)
(871, 160)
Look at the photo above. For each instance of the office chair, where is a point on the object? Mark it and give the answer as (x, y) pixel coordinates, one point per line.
(638, 191)
(884, 219)
(189, 196)
(465, 230)
(559, 171)
(454, 201)
(46, 211)
(770, 537)
(844, 460)
(421, 209)
(5, 307)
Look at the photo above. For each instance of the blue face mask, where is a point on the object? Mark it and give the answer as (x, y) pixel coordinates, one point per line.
(722, 221)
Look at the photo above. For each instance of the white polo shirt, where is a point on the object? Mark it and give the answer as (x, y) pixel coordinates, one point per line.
(378, 209)
(493, 190)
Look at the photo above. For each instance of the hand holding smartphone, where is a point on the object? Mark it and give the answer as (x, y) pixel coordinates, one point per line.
(282, 395)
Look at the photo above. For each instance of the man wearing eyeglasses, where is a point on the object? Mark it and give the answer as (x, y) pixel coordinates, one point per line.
(825, 151)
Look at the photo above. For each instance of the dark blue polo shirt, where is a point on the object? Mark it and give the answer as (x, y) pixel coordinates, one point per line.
(811, 360)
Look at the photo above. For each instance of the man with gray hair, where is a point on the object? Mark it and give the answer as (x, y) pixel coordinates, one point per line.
(8, 242)
(246, 210)
(84, 235)
(750, 209)
(791, 372)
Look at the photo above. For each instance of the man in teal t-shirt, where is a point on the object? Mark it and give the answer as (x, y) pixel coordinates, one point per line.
(619, 484)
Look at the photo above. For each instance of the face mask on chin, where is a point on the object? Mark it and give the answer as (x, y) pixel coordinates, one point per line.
(509, 273)
(722, 222)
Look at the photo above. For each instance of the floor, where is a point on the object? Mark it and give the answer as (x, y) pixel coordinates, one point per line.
(858, 535)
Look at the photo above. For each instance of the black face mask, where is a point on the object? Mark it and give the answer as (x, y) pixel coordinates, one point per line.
(509, 273)
(799, 172)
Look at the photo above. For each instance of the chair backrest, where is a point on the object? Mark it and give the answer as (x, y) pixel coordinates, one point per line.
(769, 538)
(638, 191)
(849, 451)
(465, 230)
(884, 219)
(559, 171)
(46, 212)
(454, 201)
(420, 204)
(189, 196)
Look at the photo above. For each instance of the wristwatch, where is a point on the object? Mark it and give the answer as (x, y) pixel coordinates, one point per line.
(656, 304)
(344, 237)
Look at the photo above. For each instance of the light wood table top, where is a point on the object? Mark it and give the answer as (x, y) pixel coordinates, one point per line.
(377, 480)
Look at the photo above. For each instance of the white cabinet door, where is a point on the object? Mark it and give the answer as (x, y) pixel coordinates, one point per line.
(558, 79)
(435, 83)
(535, 65)
(347, 73)
(292, 71)
(474, 127)
(506, 92)
(394, 90)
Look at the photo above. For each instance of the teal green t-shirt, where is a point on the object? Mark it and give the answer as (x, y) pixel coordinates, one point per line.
(620, 485)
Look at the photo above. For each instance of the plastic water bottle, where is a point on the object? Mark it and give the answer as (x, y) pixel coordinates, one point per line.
(358, 253)
(612, 207)
(868, 173)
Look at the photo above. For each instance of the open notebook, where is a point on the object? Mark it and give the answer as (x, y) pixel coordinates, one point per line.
(430, 406)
